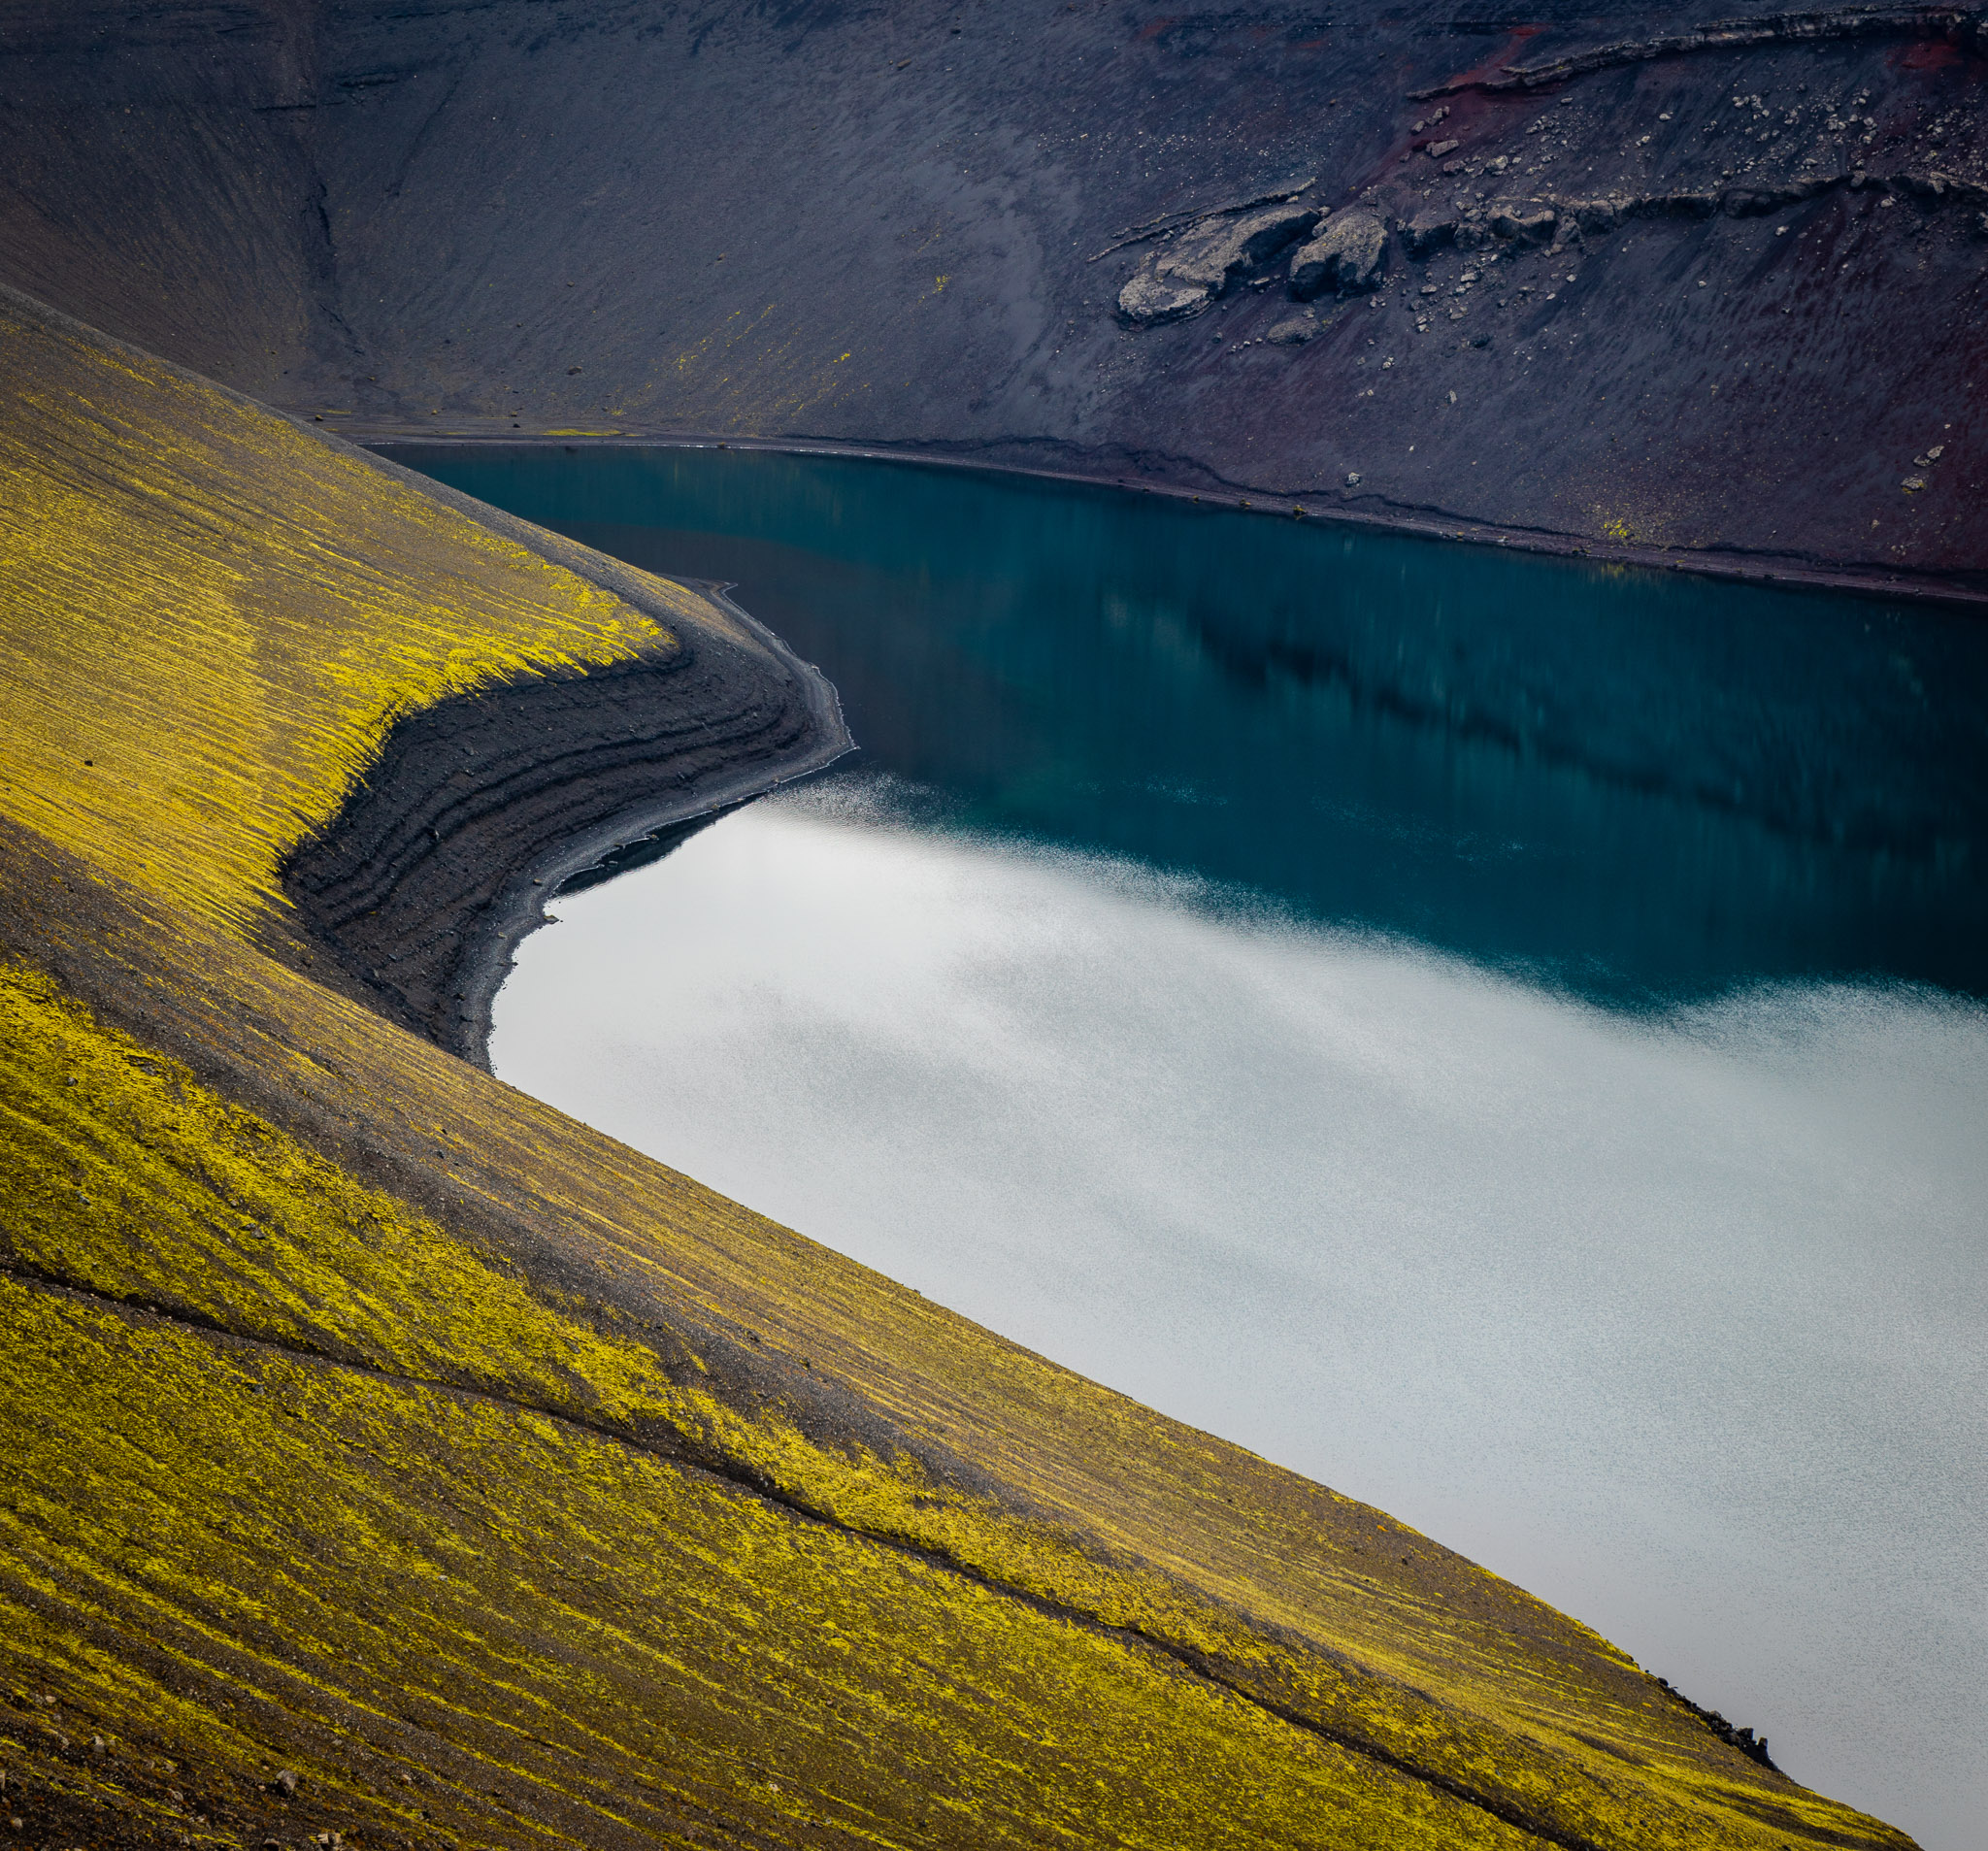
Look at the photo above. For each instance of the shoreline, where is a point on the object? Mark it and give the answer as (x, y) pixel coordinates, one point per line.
(1775, 571)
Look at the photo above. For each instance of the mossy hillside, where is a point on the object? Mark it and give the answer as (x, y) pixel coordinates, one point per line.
(213, 617)
(574, 1641)
(264, 1162)
(133, 1180)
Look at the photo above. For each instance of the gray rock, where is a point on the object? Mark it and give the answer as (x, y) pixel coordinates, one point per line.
(1428, 232)
(1525, 221)
(1293, 331)
(1345, 255)
(1597, 215)
(1208, 258)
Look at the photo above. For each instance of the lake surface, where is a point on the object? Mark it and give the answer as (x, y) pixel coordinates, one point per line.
(1502, 1037)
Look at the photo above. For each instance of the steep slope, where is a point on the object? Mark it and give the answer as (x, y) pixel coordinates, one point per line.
(390, 1455)
(1638, 281)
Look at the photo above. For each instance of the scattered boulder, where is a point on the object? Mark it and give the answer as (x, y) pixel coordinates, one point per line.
(1345, 255)
(1525, 221)
(1437, 150)
(1204, 261)
(285, 1783)
(1294, 330)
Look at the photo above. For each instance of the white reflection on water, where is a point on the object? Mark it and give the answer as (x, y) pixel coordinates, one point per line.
(1677, 1323)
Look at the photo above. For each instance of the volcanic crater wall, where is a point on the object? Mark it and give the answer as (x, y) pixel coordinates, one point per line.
(1657, 279)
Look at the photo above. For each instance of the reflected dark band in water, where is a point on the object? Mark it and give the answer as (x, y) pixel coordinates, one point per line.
(1641, 786)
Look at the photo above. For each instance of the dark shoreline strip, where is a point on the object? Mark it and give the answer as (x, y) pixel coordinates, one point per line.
(1152, 472)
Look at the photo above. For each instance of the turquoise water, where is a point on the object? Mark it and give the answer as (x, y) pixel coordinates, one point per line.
(1501, 1038)
(1632, 784)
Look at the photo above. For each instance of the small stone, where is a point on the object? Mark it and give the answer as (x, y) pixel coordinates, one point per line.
(285, 1783)
(1452, 398)
(98, 1743)
(1913, 484)
(1437, 150)
(1294, 331)
(1352, 478)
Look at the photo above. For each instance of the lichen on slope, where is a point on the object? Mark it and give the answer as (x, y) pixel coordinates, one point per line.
(214, 617)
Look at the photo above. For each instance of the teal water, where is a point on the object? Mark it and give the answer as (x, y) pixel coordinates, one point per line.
(1636, 785)
(1502, 1037)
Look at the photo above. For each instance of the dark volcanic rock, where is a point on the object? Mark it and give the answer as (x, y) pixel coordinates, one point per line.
(870, 228)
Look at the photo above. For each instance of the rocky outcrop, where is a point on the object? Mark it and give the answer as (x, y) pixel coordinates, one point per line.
(1525, 221)
(1204, 261)
(1347, 255)
(1547, 220)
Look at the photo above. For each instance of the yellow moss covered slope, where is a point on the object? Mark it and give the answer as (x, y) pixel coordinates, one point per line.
(213, 617)
(367, 1419)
